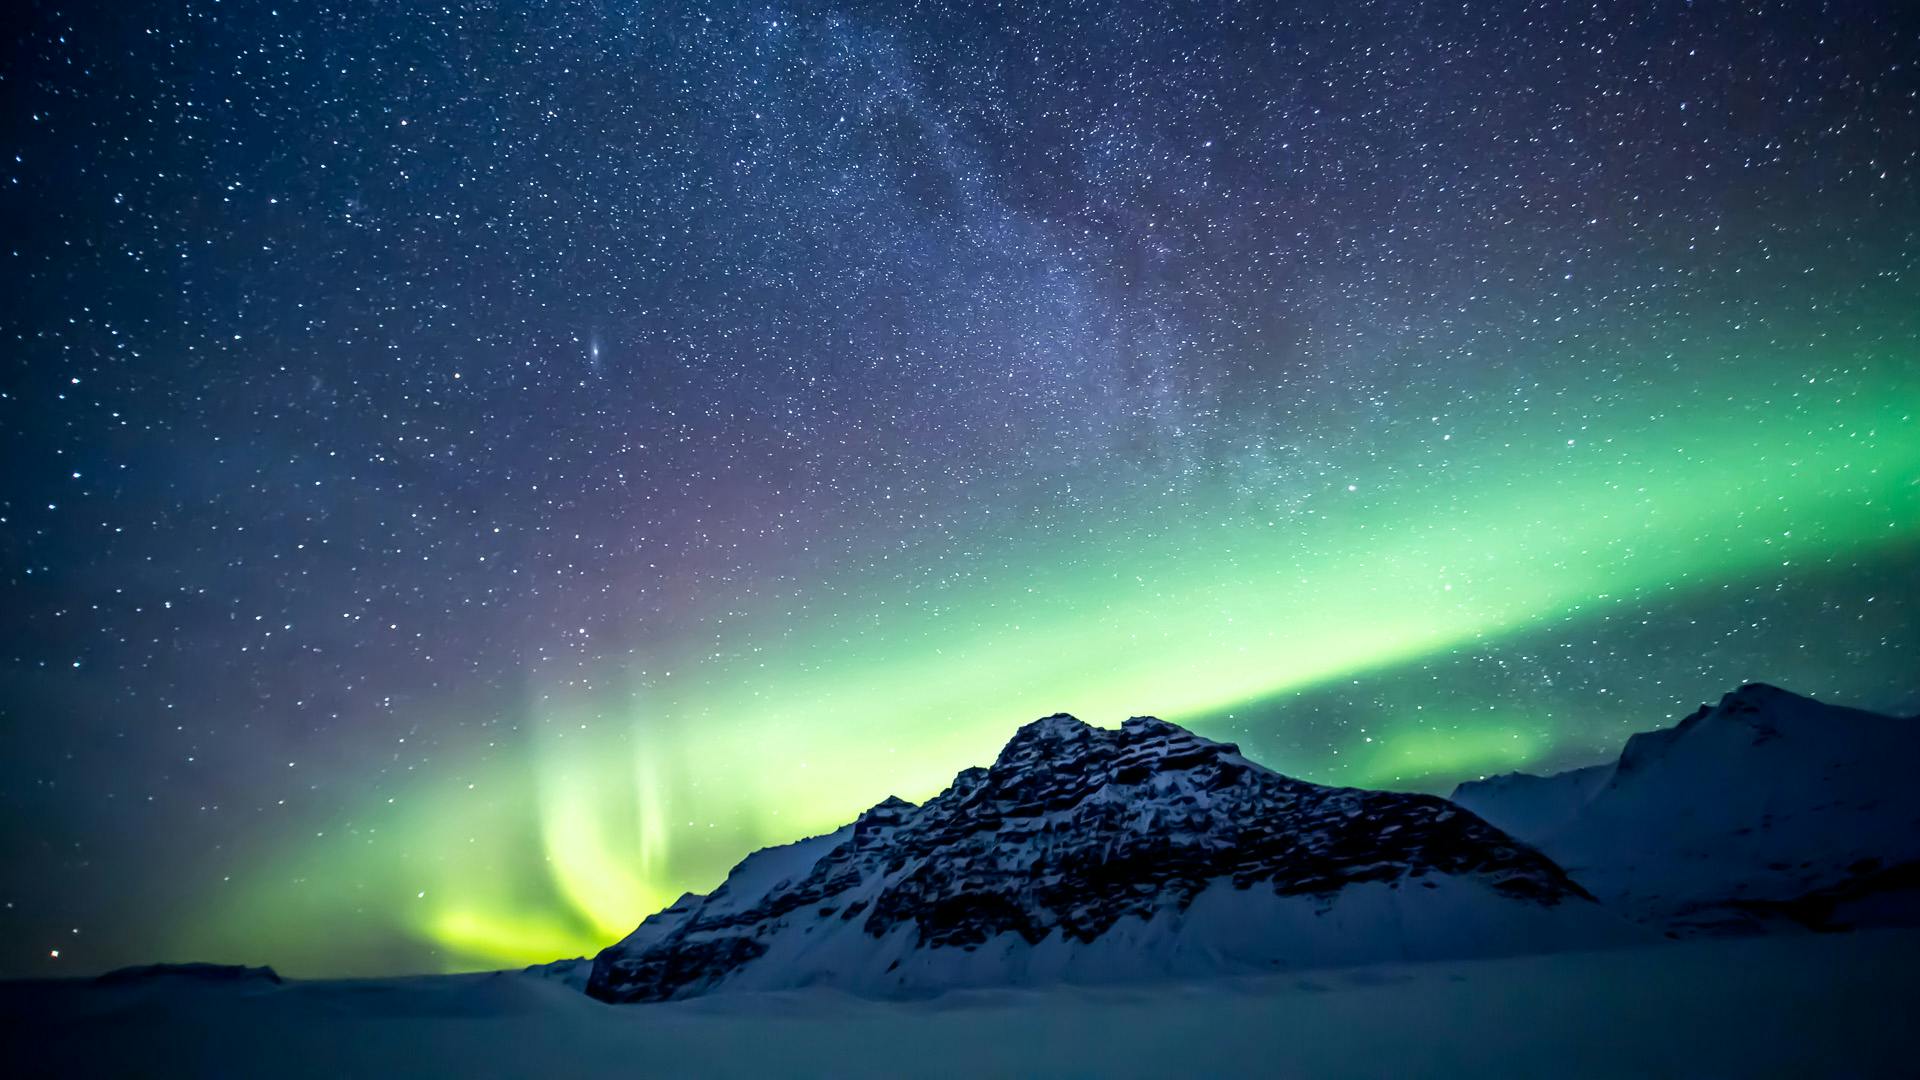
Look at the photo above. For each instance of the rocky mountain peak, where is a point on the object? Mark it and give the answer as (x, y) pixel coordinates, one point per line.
(1061, 735)
(1074, 835)
(1748, 700)
(1756, 707)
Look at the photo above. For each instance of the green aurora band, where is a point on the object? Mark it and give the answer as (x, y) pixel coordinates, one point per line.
(621, 793)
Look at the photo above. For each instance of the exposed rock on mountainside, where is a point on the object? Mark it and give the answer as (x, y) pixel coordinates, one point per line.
(1086, 854)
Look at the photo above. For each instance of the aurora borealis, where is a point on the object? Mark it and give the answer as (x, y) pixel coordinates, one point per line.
(475, 475)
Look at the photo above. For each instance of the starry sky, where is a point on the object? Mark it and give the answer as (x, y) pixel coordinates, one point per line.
(472, 473)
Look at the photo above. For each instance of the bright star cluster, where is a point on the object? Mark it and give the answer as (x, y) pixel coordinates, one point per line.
(473, 473)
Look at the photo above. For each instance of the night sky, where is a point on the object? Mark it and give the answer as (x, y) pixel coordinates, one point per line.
(472, 474)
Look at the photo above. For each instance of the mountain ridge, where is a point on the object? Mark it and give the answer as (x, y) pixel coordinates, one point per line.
(1098, 854)
(1767, 810)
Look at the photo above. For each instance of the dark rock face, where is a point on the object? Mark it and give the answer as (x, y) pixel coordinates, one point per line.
(1107, 840)
(1072, 829)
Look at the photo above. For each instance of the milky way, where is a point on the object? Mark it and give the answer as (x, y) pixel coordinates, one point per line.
(472, 476)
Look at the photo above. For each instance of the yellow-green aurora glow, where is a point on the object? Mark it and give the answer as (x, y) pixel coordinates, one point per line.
(622, 790)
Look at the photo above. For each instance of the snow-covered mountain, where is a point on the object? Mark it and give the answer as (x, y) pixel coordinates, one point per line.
(1092, 855)
(1768, 810)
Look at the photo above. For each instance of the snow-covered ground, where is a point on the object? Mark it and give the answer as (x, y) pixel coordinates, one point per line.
(1790, 1005)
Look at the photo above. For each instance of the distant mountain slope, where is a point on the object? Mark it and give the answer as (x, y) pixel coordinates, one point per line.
(1091, 855)
(1768, 810)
